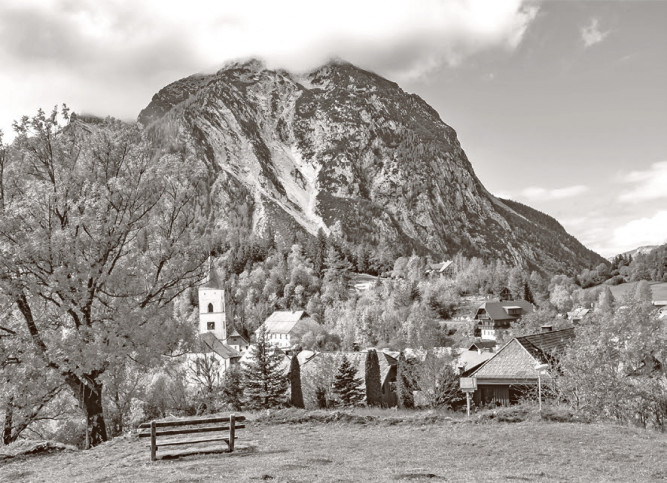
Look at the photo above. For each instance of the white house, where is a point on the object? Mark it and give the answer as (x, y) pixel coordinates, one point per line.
(284, 327)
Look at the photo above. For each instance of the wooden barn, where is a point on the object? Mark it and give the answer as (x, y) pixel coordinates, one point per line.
(510, 373)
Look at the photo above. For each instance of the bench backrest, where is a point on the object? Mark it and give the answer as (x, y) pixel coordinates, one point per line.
(191, 426)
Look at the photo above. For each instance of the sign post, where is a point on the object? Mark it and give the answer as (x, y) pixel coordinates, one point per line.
(468, 385)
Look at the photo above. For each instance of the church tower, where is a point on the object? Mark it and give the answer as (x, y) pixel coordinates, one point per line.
(212, 309)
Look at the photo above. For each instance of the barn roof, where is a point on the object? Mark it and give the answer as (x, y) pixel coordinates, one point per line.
(546, 345)
(517, 359)
(210, 343)
(283, 321)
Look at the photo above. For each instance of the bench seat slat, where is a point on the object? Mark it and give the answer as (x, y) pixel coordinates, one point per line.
(188, 422)
(205, 429)
(191, 441)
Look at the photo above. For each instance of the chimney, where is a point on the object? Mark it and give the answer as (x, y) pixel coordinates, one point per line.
(547, 328)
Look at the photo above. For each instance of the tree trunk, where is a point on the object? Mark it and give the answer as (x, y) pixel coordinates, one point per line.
(7, 427)
(90, 400)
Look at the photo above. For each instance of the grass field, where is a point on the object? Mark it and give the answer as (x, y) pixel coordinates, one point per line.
(659, 290)
(347, 451)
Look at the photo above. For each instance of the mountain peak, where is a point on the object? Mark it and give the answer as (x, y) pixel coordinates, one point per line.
(345, 150)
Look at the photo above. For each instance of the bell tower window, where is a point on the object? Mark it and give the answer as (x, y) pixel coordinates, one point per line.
(210, 307)
(210, 325)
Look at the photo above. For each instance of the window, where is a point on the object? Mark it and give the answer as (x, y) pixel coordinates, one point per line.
(210, 325)
(210, 307)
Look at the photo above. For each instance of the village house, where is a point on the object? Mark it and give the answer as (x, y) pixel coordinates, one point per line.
(578, 314)
(494, 318)
(237, 342)
(284, 327)
(438, 268)
(511, 373)
(505, 295)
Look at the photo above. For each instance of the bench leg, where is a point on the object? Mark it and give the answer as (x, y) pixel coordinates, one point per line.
(232, 431)
(153, 442)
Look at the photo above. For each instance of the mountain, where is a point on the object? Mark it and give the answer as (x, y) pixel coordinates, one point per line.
(637, 251)
(348, 151)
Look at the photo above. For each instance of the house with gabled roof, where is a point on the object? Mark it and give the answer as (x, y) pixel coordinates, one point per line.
(284, 327)
(209, 344)
(577, 314)
(237, 341)
(494, 317)
(510, 373)
(438, 268)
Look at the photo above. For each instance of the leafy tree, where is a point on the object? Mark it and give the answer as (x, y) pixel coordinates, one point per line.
(515, 283)
(643, 292)
(614, 369)
(264, 381)
(205, 374)
(372, 377)
(99, 234)
(346, 384)
(437, 380)
(605, 301)
(296, 396)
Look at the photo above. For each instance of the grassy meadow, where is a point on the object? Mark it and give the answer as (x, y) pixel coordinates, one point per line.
(658, 289)
(376, 449)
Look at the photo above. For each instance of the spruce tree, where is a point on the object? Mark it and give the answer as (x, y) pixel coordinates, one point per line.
(264, 384)
(296, 396)
(232, 387)
(528, 293)
(373, 383)
(404, 383)
(346, 384)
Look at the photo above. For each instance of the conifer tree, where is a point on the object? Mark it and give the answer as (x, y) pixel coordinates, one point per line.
(528, 293)
(296, 396)
(373, 383)
(264, 384)
(404, 383)
(232, 388)
(346, 384)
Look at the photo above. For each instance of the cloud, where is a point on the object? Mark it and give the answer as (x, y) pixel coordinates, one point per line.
(650, 184)
(639, 232)
(110, 57)
(591, 34)
(535, 193)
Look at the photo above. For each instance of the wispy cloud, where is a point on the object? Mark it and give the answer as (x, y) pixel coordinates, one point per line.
(536, 193)
(650, 184)
(639, 232)
(591, 34)
(62, 50)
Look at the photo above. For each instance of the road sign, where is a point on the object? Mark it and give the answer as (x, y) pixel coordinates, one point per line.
(468, 384)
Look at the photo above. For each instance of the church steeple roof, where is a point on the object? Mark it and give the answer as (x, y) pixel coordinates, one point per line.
(213, 280)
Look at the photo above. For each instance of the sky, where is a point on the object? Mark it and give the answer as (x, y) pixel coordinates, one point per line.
(560, 105)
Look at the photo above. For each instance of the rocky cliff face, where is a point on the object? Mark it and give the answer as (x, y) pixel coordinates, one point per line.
(350, 152)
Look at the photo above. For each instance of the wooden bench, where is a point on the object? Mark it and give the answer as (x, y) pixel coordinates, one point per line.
(215, 424)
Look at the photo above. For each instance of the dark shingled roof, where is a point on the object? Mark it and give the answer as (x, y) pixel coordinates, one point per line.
(481, 344)
(546, 345)
(496, 310)
(516, 360)
(210, 343)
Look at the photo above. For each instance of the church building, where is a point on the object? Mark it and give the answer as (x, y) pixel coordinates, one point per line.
(212, 335)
